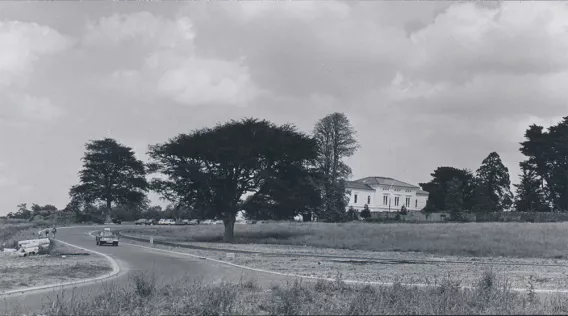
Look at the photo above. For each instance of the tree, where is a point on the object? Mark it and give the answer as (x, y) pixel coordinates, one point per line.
(335, 141)
(546, 154)
(530, 195)
(438, 188)
(112, 174)
(366, 213)
(287, 191)
(493, 186)
(454, 198)
(212, 168)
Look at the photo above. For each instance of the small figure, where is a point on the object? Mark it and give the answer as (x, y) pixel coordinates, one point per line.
(53, 231)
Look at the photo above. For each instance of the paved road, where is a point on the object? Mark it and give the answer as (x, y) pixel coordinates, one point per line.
(167, 267)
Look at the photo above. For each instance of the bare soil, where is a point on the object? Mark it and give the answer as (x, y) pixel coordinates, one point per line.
(63, 264)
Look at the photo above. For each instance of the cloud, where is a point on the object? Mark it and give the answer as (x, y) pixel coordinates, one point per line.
(513, 38)
(23, 45)
(172, 68)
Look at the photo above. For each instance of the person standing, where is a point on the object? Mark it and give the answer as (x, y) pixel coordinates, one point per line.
(53, 231)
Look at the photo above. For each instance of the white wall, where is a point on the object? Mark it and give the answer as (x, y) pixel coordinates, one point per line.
(417, 202)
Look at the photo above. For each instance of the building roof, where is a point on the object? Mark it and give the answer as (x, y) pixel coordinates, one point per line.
(358, 186)
(386, 181)
(422, 192)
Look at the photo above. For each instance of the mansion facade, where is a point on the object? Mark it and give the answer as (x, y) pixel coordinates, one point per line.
(383, 194)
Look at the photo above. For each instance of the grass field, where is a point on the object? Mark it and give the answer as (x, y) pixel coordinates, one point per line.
(144, 297)
(529, 240)
(12, 230)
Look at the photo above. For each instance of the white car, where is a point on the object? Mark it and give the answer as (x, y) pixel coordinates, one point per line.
(217, 222)
(169, 222)
(161, 221)
(207, 222)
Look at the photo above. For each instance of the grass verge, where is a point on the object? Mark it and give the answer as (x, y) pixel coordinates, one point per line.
(143, 296)
(529, 240)
(59, 264)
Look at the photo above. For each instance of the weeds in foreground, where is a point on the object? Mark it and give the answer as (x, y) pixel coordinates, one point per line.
(194, 297)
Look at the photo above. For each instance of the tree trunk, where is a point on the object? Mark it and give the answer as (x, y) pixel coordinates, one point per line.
(108, 209)
(229, 229)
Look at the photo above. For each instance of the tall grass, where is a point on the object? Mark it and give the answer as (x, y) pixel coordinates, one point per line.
(490, 296)
(545, 240)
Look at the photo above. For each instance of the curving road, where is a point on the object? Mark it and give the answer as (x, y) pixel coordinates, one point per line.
(167, 267)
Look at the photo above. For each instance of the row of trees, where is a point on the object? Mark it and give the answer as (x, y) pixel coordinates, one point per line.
(543, 185)
(458, 190)
(207, 172)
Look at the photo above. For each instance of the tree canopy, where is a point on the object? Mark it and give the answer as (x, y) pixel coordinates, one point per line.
(336, 141)
(111, 174)
(548, 162)
(493, 186)
(212, 168)
(438, 188)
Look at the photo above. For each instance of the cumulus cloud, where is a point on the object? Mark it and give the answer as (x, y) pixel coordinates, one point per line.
(172, 68)
(23, 45)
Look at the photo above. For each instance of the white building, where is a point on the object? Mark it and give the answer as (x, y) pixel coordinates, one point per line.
(383, 194)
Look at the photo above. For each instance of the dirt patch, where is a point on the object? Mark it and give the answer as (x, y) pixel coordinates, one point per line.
(64, 264)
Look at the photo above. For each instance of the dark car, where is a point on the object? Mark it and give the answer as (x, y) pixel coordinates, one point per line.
(140, 222)
(106, 237)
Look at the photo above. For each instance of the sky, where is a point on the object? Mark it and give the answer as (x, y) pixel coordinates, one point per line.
(425, 84)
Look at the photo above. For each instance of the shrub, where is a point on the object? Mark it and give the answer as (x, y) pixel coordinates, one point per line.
(366, 213)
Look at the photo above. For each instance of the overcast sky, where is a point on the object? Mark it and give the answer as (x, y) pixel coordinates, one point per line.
(425, 84)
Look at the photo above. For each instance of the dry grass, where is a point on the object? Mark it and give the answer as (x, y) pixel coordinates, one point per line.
(10, 231)
(536, 240)
(143, 297)
(22, 272)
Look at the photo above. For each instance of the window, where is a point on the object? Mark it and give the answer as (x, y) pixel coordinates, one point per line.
(407, 202)
(369, 199)
(396, 199)
(397, 190)
(386, 200)
(385, 188)
(416, 203)
(355, 199)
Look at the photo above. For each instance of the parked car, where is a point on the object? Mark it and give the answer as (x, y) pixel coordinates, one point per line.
(162, 222)
(150, 222)
(169, 222)
(117, 221)
(106, 237)
(185, 222)
(207, 222)
(217, 222)
(193, 222)
(141, 221)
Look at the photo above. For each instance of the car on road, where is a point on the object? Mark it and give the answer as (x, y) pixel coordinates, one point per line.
(185, 222)
(207, 222)
(141, 221)
(169, 222)
(150, 222)
(106, 237)
(193, 222)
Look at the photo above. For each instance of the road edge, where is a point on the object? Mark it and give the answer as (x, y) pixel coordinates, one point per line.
(114, 272)
(521, 290)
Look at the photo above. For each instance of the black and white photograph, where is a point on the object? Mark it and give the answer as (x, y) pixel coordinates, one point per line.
(285, 157)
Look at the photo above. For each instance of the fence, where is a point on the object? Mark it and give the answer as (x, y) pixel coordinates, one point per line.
(421, 217)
